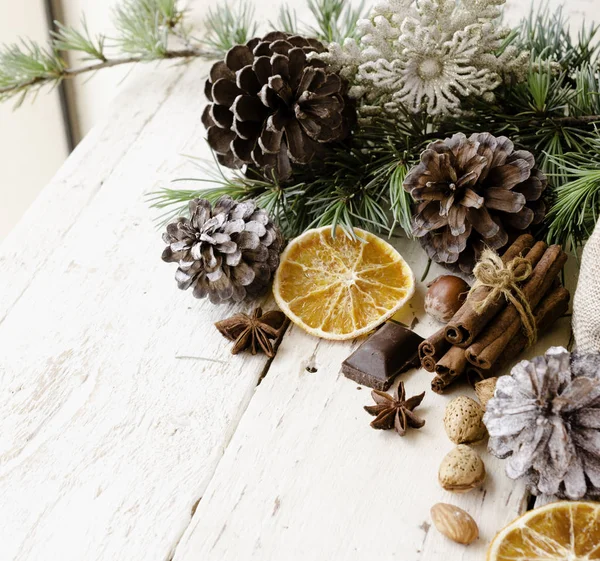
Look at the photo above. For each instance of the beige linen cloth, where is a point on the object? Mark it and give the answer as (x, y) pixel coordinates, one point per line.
(586, 304)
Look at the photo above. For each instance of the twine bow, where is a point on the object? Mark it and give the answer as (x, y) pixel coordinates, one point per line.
(491, 272)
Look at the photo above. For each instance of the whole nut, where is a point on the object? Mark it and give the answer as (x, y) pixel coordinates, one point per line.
(463, 421)
(445, 296)
(455, 523)
(461, 470)
(485, 390)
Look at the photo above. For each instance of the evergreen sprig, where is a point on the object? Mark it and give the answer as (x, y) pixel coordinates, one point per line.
(27, 66)
(228, 25)
(576, 207)
(553, 114)
(67, 38)
(546, 34)
(144, 32)
(143, 26)
(353, 185)
(334, 20)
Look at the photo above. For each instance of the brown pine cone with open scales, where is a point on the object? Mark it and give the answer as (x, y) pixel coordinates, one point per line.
(471, 193)
(270, 106)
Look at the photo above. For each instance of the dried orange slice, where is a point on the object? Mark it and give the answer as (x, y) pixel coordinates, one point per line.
(339, 287)
(565, 531)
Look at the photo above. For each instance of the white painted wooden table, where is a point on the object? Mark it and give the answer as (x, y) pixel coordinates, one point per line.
(127, 430)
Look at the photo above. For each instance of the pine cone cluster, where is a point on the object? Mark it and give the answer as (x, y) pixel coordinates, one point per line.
(545, 418)
(473, 193)
(270, 106)
(226, 252)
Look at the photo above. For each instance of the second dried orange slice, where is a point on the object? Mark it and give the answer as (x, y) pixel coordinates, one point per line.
(338, 287)
(563, 531)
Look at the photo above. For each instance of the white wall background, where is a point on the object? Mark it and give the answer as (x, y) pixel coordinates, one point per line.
(32, 139)
(32, 142)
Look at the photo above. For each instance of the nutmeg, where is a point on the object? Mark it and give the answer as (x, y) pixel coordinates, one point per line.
(461, 470)
(445, 296)
(485, 390)
(463, 421)
(455, 523)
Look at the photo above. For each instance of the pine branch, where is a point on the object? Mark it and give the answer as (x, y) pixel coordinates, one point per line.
(67, 38)
(574, 121)
(50, 70)
(228, 25)
(335, 19)
(144, 26)
(576, 208)
(144, 32)
(26, 66)
(287, 20)
(546, 34)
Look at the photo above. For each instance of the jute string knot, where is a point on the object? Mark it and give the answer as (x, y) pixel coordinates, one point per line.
(503, 279)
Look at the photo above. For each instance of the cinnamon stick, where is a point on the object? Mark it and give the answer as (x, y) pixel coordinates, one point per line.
(440, 383)
(484, 352)
(551, 308)
(462, 330)
(450, 367)
(432, 349)
(435, 347)
(475, 374)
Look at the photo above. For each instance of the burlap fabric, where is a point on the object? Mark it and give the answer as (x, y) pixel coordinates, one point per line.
(586, 304)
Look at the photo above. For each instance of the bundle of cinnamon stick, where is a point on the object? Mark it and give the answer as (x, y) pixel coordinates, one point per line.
(478, 343)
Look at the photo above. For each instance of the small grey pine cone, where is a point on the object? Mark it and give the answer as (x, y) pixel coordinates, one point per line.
(228, 251)
(545, 418)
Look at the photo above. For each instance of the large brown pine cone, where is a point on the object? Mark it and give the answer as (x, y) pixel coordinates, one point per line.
(473, 193)
(228, 251)
(271, 107)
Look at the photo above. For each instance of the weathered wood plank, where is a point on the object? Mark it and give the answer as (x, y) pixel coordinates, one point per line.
(110, 436)
(305, 477)
(40, 232)
(109, 433)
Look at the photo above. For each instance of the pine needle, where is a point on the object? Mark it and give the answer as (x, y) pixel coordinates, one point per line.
(335, 19)
(287, 20)
(228, 25)
(67, 38)
(577, 201)
(144, 26)
(27, 66)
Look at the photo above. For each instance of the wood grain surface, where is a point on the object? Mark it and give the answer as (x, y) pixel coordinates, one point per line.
(129, 432)
(118, 397)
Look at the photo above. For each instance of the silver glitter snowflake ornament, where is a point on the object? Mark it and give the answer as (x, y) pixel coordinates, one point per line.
(545, 418)
(428, 55)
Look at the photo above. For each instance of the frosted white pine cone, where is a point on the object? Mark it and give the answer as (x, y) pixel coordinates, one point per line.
(545, 419)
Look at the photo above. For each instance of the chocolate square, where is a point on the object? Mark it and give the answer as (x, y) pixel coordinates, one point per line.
(390, 351)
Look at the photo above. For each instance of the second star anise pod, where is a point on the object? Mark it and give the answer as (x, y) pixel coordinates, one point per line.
(395, 411)
(253, 332)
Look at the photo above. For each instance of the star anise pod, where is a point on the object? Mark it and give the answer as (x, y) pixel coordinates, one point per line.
(253, 332)
(395, 411)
